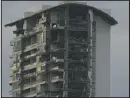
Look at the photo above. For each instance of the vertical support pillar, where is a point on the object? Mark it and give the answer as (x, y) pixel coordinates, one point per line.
(90, 19)
(48, 39)
(21, 69)
(65, 83)
(94, 58)
(92, 53)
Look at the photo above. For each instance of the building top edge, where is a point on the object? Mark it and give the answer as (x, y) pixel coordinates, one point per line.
(101, 13)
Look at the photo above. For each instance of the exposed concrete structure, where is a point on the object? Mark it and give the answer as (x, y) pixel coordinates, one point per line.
(62, 51)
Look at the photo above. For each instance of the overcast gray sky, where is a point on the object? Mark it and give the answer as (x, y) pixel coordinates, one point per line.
(12, 10)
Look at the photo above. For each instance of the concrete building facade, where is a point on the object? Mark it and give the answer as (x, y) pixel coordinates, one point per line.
(62, 51)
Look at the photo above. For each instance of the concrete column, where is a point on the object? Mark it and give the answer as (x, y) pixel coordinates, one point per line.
(65, 83)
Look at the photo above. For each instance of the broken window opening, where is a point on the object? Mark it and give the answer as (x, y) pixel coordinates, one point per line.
(78, 36)
(61, 18)
(44, 58)
(32, 22)
(77, 12)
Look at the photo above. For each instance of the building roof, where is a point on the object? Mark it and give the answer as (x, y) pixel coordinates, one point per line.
(110, 19)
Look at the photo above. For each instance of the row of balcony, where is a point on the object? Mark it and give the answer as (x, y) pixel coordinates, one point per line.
(55, 79)
(56, 68)
(73, 42)
(42, 94)
(35, 46)
(77, 42)
(34, 65)
(44, 71)
(32, 31)
(54, 60)
(27, 33)
(74, 24)
(40, 51)
(35, 83)
(82, 50)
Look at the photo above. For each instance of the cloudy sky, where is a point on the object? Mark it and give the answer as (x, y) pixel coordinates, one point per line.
(12, 10)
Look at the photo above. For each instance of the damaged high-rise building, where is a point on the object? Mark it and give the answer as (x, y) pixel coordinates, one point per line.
(62, 51)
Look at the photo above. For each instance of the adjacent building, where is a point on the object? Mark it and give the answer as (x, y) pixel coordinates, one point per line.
(62, 51)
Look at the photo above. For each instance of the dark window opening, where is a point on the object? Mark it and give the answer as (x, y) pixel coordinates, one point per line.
(61, 18)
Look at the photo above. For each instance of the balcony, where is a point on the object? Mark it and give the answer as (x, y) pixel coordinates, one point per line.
(29, 56)
(13, 81)
(57, 68)
(42, 82)
(29, 86)
(30, 66)
(30, 47)
(15, 90)
(30, 75)
(56, 79)
(32, 31)
(39, 46)
(31, 83)
(31, 94)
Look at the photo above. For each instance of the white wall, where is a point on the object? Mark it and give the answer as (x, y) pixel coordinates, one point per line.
(102, 58)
